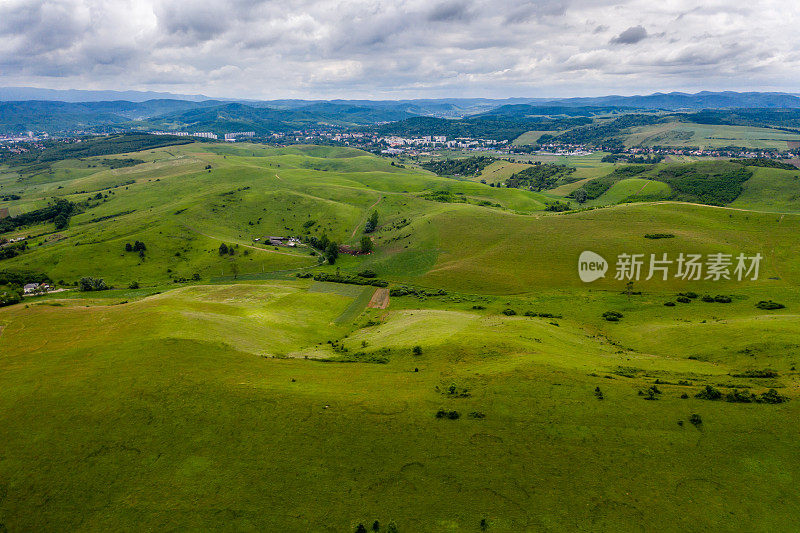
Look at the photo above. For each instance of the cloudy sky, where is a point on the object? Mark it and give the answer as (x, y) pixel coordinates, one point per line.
(400, 48)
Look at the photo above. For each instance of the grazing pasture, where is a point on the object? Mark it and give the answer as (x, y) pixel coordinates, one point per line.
(484, 387)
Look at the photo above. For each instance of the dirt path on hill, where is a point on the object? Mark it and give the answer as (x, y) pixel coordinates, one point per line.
(370, 207)
(380, 299)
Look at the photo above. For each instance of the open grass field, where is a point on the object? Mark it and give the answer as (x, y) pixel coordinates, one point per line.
(493, 395)
(771, 189)
(709, 136)
(631, 190)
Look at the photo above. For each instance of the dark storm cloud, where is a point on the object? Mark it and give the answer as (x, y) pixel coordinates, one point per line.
(449, 12)
(632, 35)
(382, 48)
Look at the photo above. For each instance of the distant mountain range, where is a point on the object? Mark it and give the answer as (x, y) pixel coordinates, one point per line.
(29, 109)
(18, 94)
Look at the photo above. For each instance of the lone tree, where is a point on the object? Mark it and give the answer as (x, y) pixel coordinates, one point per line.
(223, 249)
(372, 223)
(580, 195)
(366, 245)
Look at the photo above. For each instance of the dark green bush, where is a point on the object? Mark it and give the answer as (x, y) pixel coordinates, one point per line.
(709, 393)
(612, 316)
(769, 305)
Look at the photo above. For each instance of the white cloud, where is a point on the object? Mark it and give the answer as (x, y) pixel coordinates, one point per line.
(402, 48)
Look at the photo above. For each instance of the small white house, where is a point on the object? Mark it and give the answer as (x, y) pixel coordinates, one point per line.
(30, 287)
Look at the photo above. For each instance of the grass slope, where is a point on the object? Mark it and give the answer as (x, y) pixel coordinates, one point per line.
(253, 400)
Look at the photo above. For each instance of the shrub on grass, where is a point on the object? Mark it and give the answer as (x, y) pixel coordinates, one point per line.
(669, 304)
(772, 396)
(650, 393)
(612, 316)
(722, 299)
(737, 396)
(696, 420)
(509, 312)
(683, 299)
(759, 374)
(133, 285)
(417, 350)
(709, 393)
(769, 305)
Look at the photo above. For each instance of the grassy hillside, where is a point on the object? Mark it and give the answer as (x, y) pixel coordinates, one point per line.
(205, 408)
(708, 136)
(633, 189)
(491, 394)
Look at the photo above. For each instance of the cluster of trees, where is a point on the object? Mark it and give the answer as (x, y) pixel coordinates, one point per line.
(57, 212)
(372, 223)
(414, 291)
(764, 162)
(224, 249)
(715, 183)
(349, 279)
(13, 250)
(634, 159)
(87, 284)
(10, 296)
(539, 177)
(736, 396)
(22, 277)
(137, 246)
(557, 206)
(329, 249)
(469, 166)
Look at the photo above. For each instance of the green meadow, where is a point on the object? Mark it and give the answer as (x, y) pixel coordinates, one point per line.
(709, 136)
(229, 393)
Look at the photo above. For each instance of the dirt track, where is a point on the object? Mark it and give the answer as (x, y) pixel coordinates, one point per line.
(380, 299)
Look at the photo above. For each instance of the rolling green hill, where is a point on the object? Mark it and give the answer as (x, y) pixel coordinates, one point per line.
(491, 392)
